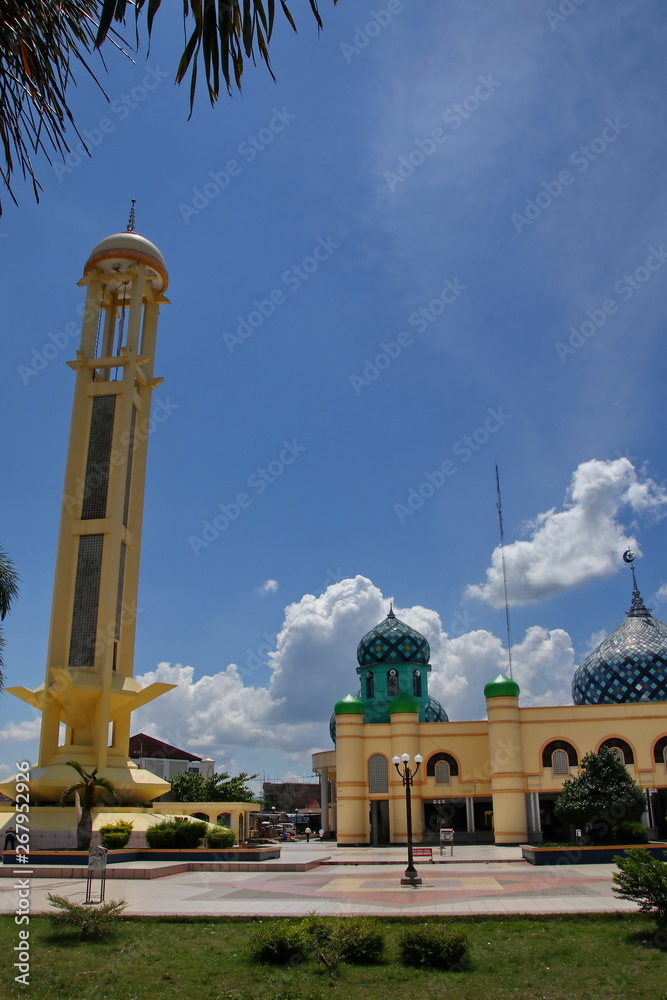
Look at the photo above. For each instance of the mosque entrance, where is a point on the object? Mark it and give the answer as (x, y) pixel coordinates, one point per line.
(450, 813)
(379, 822)
(659, 810)
(553, 828)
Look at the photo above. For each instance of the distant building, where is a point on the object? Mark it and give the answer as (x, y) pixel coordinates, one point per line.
(167, 761)
(287, 796)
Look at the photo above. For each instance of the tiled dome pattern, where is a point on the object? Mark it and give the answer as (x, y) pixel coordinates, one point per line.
(629, 665)
(392, 641)
(434, 712)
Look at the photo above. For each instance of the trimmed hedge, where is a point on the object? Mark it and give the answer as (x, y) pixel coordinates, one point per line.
(220, 836)
(279, 943)
(630, 832)
(115, 835)
(435, 946)
(176, 833)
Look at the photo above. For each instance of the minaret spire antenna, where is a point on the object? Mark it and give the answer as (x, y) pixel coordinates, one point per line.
(131, 220)
(499, 505)
(638, 608)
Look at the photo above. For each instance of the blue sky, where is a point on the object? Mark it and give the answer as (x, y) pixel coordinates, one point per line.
(438, 242)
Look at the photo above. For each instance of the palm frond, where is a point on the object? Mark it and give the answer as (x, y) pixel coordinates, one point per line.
(40, 45)
(218, 34)
(9, 583)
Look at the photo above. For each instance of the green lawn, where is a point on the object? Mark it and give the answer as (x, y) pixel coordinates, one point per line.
(562, 958)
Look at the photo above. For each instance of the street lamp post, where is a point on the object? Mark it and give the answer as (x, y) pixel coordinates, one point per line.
(407, 775)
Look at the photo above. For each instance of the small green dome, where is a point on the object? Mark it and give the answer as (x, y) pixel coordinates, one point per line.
(349, 705)
(502, 687)
(404, 703)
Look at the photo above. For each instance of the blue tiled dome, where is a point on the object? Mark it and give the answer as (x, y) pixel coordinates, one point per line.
(392, 641)
(434, 712)
(629, 665)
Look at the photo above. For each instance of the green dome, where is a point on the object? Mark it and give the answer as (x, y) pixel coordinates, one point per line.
(404, 703)
(392, 641)
(349, 705)
(502, 687)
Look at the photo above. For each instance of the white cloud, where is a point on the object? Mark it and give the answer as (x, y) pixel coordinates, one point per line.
(268, 587)
(314, 664)
(582, 541)
(20, 732)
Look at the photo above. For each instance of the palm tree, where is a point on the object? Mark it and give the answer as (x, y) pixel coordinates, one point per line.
(8, 591)
(42, 42)
(88, 789)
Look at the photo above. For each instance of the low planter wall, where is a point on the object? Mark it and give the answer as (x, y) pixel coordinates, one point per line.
(148, 854)
(589, 855)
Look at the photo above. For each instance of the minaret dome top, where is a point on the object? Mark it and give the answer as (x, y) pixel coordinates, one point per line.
(122, 250)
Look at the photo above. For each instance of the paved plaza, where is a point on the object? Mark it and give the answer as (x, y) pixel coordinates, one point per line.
(477, 880)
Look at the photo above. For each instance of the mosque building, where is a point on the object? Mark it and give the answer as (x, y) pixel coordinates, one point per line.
(495, 780)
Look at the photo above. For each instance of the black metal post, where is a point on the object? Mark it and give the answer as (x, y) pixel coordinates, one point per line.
(411, 876)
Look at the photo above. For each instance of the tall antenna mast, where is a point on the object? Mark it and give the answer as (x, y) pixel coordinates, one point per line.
(499, 505)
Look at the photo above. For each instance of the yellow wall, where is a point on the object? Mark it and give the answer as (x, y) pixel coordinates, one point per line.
(500, 757)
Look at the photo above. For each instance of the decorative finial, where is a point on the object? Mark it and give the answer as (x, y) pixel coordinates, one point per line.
(130, 221)
(638, 608)
(391, 610)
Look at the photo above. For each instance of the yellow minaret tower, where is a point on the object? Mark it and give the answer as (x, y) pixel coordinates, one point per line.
(89, 687)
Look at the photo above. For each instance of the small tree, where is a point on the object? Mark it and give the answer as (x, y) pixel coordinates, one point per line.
(8, 591)
(601, 795)
(88, 789)
(192, 787)
(643, 879)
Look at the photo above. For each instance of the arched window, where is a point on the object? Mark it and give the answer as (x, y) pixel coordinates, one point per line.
(224, 819)
(549, 749)
(660, 751)
(442, 774)
(447, 758)
(417, 683)
(559, 762)
(392, 683)
(370, 684)
(623, 749)
(378, 775)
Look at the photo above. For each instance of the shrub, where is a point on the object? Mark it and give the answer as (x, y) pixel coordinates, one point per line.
(115, 835)
(630, 833)
(361, 940)
(91, 921)
(321, 937)
(435, 946)
(279, 943)
(176, 833)
(220, 836)
(643, 879)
